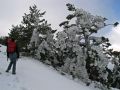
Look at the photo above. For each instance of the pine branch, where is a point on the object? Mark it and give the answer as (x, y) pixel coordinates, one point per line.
(63, 23)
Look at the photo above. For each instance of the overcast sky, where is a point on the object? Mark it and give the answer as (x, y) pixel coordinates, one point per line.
(11, 12)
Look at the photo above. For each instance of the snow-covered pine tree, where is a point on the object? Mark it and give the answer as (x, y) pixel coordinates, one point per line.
(42, 40)
(31, 21)
(71, 53)
(84, 55)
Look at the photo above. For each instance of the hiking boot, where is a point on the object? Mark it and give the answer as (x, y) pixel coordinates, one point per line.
(7, 71)
(14, 73)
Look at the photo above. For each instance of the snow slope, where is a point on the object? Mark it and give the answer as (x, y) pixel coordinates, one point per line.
(33, 75)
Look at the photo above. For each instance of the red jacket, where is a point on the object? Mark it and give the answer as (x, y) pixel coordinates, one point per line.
(11, 47)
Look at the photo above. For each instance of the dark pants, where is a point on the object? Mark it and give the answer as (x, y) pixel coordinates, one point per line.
(13, 58)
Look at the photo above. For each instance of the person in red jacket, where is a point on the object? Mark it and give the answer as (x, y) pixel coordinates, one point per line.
(13, 54)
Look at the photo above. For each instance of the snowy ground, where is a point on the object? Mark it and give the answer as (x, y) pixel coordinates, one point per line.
(33, 75)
